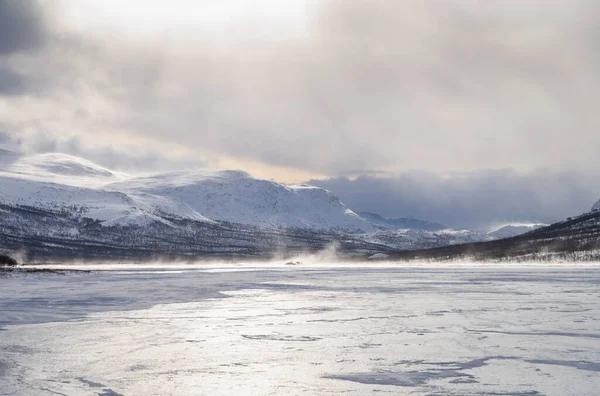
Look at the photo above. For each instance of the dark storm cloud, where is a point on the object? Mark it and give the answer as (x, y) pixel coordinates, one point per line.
(24, 32)
(474, 200)
(22, 26)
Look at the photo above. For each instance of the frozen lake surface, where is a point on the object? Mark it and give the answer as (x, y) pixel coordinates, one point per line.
(360, 330)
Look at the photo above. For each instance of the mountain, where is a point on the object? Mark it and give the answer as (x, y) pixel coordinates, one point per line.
(81, 188)
(574, 239)
(57, 206)
(237, 197)
(404, 223)
(512, 230)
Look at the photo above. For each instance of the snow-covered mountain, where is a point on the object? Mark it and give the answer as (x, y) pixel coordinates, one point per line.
(76, 187)
(81, 188)
(596, 207)
(237, 197)
(57, 202)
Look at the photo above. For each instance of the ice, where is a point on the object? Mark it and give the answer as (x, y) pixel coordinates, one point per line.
(302, 330)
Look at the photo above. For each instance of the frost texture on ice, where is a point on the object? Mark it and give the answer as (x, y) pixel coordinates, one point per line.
(357, 329)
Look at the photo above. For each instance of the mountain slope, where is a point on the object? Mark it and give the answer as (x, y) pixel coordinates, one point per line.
(55, 236)
(106, 206)
(237, 197)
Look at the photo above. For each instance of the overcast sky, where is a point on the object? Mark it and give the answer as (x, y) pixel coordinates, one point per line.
(406, 107)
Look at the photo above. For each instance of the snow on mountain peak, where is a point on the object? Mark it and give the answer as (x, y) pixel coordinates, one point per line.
(237, 197)
(596, 207)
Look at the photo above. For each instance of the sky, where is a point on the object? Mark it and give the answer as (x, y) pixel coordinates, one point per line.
(468, 112)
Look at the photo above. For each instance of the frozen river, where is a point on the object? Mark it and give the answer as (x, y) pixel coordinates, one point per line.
(281, 330)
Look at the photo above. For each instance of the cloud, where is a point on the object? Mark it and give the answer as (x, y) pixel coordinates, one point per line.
(480, 200)
(11, 82)
(124, 157)
(22, 26)
(466, 112)
(372, 84)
